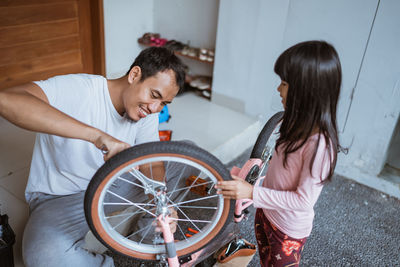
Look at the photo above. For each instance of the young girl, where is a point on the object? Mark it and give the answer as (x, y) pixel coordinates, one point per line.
(305, 153)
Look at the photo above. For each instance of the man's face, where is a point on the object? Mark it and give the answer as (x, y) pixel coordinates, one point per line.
(149, 96)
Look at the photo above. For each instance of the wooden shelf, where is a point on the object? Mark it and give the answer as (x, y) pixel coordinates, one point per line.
(194, 58)
(206, 93)
(179, 53)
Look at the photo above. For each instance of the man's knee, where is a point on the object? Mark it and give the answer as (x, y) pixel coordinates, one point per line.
(53, 249)
(47, 243)
(42, 249)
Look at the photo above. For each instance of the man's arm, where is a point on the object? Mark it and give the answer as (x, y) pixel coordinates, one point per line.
(28, 107)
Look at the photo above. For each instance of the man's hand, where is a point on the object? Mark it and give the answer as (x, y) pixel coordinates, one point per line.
(109, 145)
(236, 189)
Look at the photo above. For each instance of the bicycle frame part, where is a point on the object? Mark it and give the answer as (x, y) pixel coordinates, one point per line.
(267, 152)
(150, 186)
(254, 167)
(265, 134)
(248, 169)
(169, 240)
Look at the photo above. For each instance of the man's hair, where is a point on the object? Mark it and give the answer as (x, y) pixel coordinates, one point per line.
(158, 59)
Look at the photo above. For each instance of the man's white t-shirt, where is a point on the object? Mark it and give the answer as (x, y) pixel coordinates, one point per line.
(63, 166)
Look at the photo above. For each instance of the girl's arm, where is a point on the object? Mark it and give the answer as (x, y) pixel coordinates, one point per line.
(303, 198)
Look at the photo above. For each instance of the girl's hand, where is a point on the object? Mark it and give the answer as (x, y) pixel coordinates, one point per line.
(236, 189)
(172, 223)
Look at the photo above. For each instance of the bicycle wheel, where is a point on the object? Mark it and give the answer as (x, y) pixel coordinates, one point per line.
(120, 198)
(265, 134)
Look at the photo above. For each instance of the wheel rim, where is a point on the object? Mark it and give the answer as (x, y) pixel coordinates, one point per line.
(142, 248)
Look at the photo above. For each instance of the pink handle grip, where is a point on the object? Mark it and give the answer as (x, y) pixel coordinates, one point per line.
(169, 240)
(164, 222)
(242, 204)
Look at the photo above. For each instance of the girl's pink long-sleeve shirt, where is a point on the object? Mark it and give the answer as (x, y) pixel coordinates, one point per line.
(287, 195)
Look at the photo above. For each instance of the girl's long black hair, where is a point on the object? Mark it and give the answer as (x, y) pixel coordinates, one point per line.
(313, 71)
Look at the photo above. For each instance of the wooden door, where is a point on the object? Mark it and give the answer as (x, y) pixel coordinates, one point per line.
(44, 38)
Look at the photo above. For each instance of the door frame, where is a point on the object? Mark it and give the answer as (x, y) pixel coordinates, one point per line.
(92, 36)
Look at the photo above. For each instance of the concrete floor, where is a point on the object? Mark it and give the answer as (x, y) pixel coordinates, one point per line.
(354, 226)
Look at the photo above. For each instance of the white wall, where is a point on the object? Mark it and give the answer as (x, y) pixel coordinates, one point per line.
(190, 22)
(183, 20)
(345, 24)
(253, 36)
(376, 105)
(250, 37)
(187, 20)
(124, 22)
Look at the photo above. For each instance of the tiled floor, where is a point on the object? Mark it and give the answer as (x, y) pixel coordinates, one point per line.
(219, 130)
(15, 157)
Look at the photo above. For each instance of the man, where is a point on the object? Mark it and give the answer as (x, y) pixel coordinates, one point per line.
(78, 117)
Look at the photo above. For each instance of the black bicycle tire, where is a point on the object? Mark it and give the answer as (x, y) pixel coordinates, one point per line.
(170, 147)
(264, 135)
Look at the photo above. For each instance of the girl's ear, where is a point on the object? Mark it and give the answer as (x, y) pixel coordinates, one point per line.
(134, 74)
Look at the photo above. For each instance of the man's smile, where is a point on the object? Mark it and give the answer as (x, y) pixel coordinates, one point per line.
(142, 112)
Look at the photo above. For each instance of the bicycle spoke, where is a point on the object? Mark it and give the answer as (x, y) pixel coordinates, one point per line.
(130, 214)
(184, 214)
(124, 220)
(165, 172)
(130, 182)
(117, 204)
(177, 180)
(138, 231)
(151, 171)
(199, 207)
(145, 234)
(118, 215)
(183, 188)
(126, 204)
(135, 204)
(190, 220)
(180, 229)
(192, 200)
(187, 190)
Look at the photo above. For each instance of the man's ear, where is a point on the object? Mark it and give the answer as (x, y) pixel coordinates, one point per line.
(134, 74)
